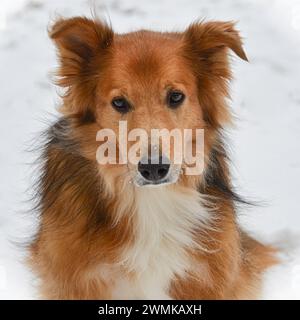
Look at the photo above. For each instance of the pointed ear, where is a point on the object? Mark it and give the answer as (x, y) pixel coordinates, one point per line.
(206, 47)
(79, 41)
(80, 36)
(209, 37)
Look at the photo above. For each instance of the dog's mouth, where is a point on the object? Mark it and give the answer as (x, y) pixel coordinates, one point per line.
(170, 178)
(142, 182)
(155, 171)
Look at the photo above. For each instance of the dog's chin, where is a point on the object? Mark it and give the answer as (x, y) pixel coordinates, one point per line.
(142, 182)
(153, 184)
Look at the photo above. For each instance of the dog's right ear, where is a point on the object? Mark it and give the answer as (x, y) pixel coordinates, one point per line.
(78, 41)
(80, 37)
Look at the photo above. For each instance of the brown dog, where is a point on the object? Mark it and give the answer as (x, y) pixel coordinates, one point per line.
(102, 236)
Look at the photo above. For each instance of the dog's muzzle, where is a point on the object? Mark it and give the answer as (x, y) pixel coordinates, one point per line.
(154, 171)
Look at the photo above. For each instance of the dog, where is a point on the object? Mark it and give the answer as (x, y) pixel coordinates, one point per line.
(144, 230)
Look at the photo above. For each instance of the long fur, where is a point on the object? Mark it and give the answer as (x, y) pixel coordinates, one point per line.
(101, 237)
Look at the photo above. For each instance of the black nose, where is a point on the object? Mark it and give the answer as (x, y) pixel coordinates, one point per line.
(154, 170)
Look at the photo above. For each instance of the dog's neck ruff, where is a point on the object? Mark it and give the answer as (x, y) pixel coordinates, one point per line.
(165, 222)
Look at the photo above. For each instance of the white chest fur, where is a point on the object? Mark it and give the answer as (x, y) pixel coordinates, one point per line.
(165, 220)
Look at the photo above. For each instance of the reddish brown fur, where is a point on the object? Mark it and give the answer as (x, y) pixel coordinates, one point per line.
(76, 231)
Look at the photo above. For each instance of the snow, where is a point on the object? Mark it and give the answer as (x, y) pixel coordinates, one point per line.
(265, 100)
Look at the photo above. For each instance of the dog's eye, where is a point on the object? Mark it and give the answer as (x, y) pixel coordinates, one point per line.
(175, 99)
(121, 105)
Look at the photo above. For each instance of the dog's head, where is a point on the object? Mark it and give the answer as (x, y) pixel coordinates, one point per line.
(148, 80)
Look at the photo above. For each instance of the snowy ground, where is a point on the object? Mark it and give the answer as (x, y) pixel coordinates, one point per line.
(266, 100)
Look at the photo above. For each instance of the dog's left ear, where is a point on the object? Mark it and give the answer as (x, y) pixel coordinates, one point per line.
(206, 45)
(208, 38)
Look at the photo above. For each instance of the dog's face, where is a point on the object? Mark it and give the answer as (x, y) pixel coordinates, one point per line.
(148, 84)
(149, 80)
